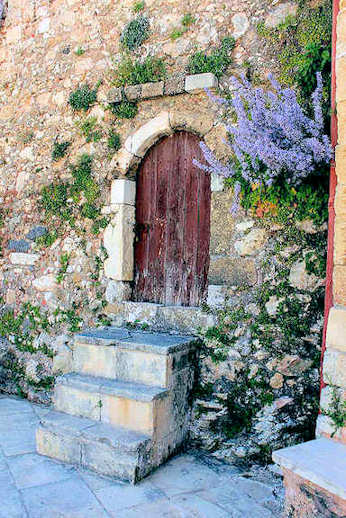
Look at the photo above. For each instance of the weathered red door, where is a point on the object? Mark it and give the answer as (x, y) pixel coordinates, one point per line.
(173, 224)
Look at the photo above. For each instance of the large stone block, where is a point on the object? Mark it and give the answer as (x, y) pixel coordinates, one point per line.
(76, 401)
(197, 82)
(334, 367)
(63, 448)
(128, 413)
(151, 90)
(339, 284)
(325, 427)
(23, 259)
(94, 360)
(340, 159)
(141, 367)
(230, 271)
(118, 291)
(342, 116)
(336, 329)
(251, 243)
(221, 221)
(340, 240)
(340, 78)
(102, 458)
(124, 161)
(148, 134)
(118, 241)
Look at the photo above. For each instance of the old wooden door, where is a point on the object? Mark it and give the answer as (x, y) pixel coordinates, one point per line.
(172, 224)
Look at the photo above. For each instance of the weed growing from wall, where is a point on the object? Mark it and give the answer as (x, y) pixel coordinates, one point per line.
(83, 98)
(186, 21)
(129, 72)
(302, 46)
(135, 33)
(336, 410)
(124, 110)
(138, 7)
(216, 62)
(88, 128)
(59, 150)
(113, 141)
(65, 202)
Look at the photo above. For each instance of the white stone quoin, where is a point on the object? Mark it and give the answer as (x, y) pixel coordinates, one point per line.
(123, 192)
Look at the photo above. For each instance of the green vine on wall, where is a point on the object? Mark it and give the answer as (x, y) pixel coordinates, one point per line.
(65, 203)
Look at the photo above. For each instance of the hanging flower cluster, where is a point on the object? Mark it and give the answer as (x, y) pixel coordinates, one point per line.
(273, 138)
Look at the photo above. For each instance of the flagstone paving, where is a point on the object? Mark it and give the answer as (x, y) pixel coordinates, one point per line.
(190, 485)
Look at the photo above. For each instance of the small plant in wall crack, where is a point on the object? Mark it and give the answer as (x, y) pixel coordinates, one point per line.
(88, 128)
(129, 72)
(138, 7)
(59, 150)
(64, 262)
(113, 142)
(216, 62)
(135, 33)
(186, 21)
(124, 110)
(83, 97)
(336, 410)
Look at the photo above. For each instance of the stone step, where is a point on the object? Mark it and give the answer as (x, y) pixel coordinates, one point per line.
(130, 405)
(108, 450)
(178, 319)
(140, 357)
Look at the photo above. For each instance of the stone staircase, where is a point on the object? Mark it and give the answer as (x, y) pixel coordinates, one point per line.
(125, 408)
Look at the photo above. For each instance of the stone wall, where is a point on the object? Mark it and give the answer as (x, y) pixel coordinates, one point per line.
(333, 396)
(49, 48)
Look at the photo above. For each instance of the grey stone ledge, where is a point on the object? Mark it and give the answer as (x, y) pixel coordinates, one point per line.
(123, 389)
(157, 343)
(174, 85)
(321, 461)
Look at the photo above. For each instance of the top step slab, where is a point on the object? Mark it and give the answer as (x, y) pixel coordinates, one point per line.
(157, 343)
(321, 461)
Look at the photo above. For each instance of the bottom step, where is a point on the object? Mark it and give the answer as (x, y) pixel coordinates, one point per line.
(107, 450)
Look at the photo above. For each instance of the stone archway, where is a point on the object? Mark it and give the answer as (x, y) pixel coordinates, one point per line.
(119, 234)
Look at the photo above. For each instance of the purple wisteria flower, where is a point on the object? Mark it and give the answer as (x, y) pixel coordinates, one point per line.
(273, 137)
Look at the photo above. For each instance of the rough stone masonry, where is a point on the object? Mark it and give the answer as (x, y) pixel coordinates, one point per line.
(47, 50)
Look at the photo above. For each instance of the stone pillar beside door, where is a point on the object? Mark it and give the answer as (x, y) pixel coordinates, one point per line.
(118, 240)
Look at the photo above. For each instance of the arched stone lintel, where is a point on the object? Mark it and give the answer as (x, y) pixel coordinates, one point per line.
(164, 124)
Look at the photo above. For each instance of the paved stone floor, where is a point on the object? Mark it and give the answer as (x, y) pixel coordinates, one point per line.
(188, 486)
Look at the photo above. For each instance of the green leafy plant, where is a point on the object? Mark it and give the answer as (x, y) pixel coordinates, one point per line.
(177, 33)
(25, 137)
(79, 51)
(113, 142)
(138, 7)
(47, 239)
(64, 262)
(216, 62)
(302, 46)
(135, 33)
(59, 150)
(188, 20)
(83, 98)
(336, 410)
(124, 110)
(68, 201)
(88, 128)
(130, 72)
(282, 203)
